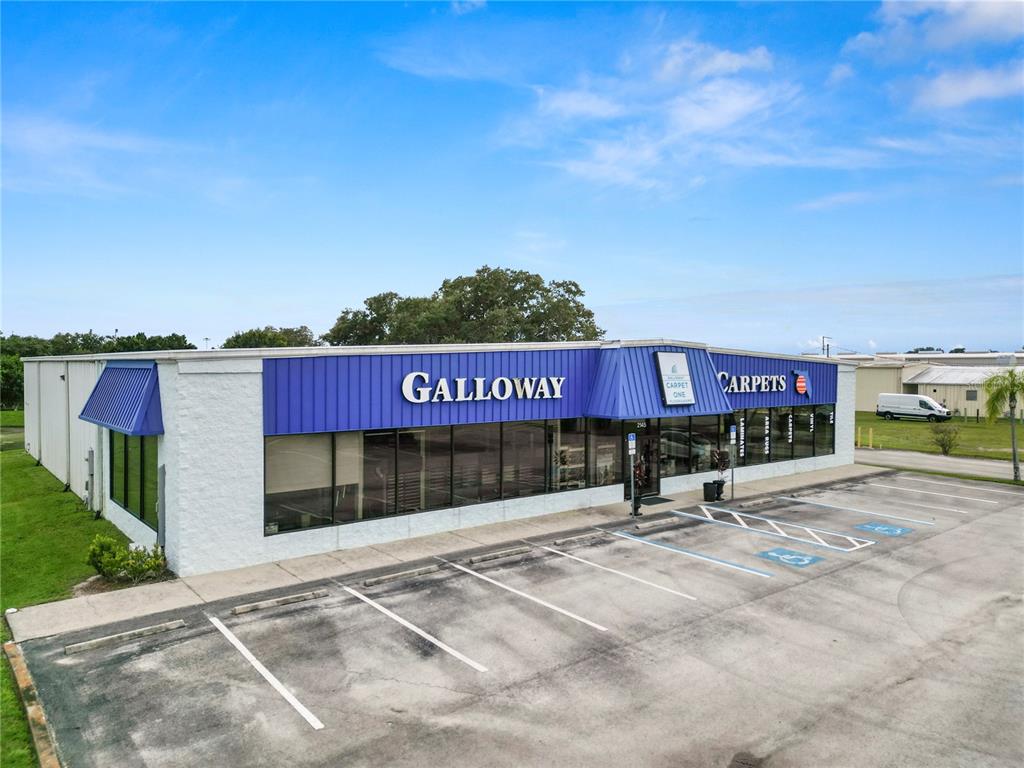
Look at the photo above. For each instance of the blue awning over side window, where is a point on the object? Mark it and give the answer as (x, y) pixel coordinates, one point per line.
(126, 399)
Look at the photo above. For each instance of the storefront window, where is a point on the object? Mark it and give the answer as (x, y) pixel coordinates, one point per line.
(824, 430)
(605, 452)
(703, 441)
(568, 454)
(424, 468)
(348, 476)
(149, 481)
(782, 434)
(728, 421)
(758, 428)
(297, 482)
(675, 446)
(524, 447)
(477, 463)
(379, 476)
(803, 431)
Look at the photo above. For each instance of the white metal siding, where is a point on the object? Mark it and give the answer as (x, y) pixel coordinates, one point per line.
(32, 409)
(81, 379)
(53, 419)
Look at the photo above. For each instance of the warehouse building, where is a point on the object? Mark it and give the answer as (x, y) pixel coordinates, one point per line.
(957, 380)
(231, 458)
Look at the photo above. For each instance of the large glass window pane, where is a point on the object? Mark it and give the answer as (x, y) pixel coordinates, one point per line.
(568, 454)
(297, 482)
(703, 441)
(605, 452)
(782, 434)
(523, 458)
(477, 463)
(824, 430)
(149, 480)
(758, 431)
(133, 489)
(803, 431)
(348, 476)
(424, 468)
(379, 476)
(117, 467)
(675, 446)
(739, 449)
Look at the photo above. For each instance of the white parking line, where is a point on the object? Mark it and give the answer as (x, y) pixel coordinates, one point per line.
(968, 487)
(689, 553)
(618, 573)
(425, 635)
(932, 493)
(909, 503)
(274, 682)
(851, 509)
(514, 591)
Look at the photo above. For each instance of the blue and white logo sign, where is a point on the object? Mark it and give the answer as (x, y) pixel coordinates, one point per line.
(884, 528)
(789, 557)
(674, 370)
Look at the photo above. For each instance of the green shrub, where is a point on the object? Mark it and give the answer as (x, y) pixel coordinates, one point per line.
(118, 562)
(946, 437)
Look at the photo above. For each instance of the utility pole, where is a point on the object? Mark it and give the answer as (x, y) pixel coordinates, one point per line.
(825, 346)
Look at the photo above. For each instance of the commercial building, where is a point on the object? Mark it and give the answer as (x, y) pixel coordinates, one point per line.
(955, 379)
(236, 457)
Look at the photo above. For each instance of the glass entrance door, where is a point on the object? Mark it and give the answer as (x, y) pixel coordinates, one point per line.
(644, 465)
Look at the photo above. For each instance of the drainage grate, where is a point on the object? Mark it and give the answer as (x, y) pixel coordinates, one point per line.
(746, 760)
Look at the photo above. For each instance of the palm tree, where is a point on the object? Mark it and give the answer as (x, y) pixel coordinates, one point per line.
(1002, 390)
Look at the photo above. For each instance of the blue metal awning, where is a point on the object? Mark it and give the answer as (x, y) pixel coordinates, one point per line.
(126, 399)
(626, 385)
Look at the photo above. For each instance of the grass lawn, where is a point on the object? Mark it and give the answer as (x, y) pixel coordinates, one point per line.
(44, 536)
(977, 440)
(12, 418)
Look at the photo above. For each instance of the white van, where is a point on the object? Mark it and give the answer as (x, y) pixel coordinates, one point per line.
(891, 406)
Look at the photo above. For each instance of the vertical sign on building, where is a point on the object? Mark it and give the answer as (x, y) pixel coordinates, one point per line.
(674, 372)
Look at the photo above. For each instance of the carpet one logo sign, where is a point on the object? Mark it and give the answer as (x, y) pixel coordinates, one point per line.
(801, 383)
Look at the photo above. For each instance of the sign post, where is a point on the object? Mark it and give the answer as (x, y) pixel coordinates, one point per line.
(631, 446)
(732, 462)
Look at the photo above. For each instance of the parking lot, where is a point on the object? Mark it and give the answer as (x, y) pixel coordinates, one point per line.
(875, 622)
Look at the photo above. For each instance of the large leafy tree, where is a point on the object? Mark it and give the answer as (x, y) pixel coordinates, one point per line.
(491, 305)
(1003, 391)
(271, 337)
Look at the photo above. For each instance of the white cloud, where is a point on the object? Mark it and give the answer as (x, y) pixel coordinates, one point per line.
(462, 7)
(697, 61)
(959, 87)
(839, 73)
(872, 344)
(720, 104)
(576, 104)
(47, 136)
(834, 201)
(910, 28)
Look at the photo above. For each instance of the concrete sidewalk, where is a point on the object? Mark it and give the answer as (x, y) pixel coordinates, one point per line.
(97, 610)
(935, 462)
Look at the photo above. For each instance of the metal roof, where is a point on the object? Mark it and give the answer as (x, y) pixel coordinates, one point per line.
(126, 399)
(948, 374)
(409, 349)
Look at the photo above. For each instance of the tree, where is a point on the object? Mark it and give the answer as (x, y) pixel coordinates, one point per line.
(957, 350)
(492, 305)
(12, 383)
(271, 337)
(1002, 391)
(915, 350)
(946, 437)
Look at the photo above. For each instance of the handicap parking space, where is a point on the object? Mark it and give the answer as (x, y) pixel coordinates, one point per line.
(715, 614)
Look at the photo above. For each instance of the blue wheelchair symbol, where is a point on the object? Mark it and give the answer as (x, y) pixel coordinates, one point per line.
(789, 557)
(884, 529)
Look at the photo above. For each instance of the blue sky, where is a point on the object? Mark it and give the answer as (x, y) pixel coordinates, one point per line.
(751, 176)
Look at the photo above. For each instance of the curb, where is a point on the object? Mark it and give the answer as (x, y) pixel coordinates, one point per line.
(46, 749)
